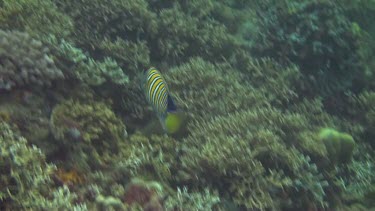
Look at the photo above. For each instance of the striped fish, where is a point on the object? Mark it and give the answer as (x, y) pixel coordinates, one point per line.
(157, 95)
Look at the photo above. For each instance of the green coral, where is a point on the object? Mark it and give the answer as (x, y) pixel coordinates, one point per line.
(244, 153)
(25, 175)
(155, 157)
(25, 61)
(185, 36)
(134, 56)
(98, 20)
(76, 64)
(200, 88)
(37, 17)
(362, 111)
(318, 37)
(199, 201)
(96, 73)
(91, 128)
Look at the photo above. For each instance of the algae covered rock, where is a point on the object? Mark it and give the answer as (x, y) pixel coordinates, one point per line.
(339, 145)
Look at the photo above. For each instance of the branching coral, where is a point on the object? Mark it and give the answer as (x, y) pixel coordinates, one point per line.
(204, 89)
(317, 37)
(155, 157)
(25, 176)
(276, 81)
(96, 73)
(97, 20)
(253, 131)
(132, 56)
(76, 64)
(362, 111)
(38, 17)
(184, 36)
(245, 152)
(187, 200)
(25, 61)
(357, 179)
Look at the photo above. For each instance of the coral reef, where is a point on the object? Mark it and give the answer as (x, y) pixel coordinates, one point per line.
(200, 88)
(40, 18)
(278, 94)
(143, 193)
(77, 65)
(361, 110)
(90, 128)
(254, 150)
(154, 157)
(133, 56)
(185, 200)
(25, 61)
(318, 37)
(130, 20)
(25, 176)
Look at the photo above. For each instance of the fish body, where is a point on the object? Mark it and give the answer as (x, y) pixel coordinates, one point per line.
(157, 95)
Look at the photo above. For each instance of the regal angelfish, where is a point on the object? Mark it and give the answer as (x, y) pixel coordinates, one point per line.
(157, 94)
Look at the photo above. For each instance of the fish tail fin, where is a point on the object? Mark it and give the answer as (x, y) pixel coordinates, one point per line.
(172, 122)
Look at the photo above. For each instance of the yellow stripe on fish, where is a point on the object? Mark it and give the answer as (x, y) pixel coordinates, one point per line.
(157, 94)
(156, 91)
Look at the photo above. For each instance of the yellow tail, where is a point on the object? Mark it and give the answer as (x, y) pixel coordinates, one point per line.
(173, 122)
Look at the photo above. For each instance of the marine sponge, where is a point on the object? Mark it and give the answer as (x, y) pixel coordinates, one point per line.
(25, 61)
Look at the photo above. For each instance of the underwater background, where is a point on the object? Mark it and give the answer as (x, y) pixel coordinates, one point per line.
(277, 99)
